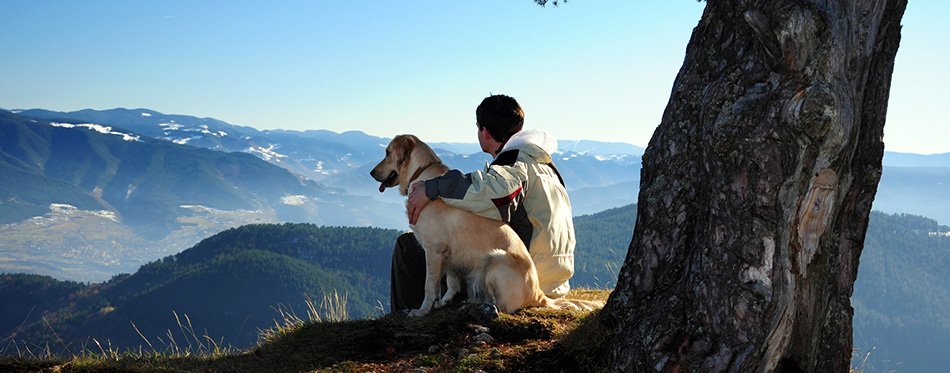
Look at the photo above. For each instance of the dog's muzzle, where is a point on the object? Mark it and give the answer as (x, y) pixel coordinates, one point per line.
(388, 182)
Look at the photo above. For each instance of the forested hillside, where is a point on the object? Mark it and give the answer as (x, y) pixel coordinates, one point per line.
(902, 295)
(602, 241)
(230, 284)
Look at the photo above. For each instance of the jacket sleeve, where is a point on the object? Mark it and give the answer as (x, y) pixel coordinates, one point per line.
(481, 192)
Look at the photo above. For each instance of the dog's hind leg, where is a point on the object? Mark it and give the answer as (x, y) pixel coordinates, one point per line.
(452, 286)
(507, 284)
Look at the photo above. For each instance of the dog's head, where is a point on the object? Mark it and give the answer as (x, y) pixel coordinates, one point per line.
(396, 168)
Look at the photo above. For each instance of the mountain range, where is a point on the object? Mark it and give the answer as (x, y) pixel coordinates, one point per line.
(343, 160)
(86, 201)
(89, 194)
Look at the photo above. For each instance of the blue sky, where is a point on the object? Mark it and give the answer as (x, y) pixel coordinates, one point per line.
(597, 70)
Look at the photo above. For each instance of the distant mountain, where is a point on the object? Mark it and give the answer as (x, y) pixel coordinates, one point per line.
(915, 190)
(599, 172)
(314, 154)
(163, 194)
(598, 148)
(591, 200)
(598, 175)
(343, 160)
(168, 195)
(896, 159)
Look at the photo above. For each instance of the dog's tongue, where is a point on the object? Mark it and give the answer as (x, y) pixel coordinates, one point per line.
(382, 187)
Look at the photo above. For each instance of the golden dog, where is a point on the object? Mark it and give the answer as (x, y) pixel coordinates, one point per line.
(459, 244)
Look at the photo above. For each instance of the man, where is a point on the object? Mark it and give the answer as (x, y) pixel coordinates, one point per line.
(521, 187)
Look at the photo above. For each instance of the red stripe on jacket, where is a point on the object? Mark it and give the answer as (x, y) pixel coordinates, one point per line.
(503, 201)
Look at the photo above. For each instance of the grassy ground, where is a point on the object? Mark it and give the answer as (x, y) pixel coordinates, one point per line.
(444, 341)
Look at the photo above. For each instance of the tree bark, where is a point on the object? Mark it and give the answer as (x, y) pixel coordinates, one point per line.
(756, 189)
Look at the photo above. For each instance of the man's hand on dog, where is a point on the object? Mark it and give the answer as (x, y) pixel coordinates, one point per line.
(417, 202)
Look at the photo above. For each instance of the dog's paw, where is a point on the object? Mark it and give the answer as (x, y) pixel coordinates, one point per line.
(418, 313)
(441, 303)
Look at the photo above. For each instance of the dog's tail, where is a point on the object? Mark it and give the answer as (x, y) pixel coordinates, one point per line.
(575, 304)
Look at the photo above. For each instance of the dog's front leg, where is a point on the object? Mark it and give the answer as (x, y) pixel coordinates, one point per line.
(435, 259)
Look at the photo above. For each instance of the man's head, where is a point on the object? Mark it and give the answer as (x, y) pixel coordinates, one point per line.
(501, 116)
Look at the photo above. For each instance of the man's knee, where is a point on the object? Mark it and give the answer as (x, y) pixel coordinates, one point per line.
(407, 245)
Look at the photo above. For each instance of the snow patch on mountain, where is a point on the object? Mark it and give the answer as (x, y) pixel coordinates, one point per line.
(267, 153)
(211, 210)
(183, 140)
(61, 212)
(171, 126)
(320, 169)
(203, 128)
(568, 156)
(619, 158)
(99, 128)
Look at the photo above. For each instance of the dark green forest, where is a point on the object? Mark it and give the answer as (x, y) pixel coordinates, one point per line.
(230, 285)
(602, 241)
(25, 192)
(902, 295)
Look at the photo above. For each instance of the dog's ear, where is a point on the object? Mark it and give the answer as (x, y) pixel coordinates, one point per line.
(408, 145)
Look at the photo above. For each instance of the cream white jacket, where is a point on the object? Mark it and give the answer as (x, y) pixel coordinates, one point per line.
(523, 188)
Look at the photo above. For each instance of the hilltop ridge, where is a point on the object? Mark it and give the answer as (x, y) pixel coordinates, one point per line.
(447, 339)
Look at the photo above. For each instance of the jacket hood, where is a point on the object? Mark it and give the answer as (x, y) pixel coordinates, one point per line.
(535, 137)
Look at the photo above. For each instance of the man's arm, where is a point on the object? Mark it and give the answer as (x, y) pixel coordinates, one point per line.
(478, 192)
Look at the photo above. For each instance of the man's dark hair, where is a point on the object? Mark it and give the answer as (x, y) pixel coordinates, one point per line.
(502, 116)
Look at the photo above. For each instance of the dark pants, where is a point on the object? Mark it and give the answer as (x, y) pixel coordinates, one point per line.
(407, 282)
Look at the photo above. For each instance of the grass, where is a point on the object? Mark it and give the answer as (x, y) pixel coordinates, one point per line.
(443, 341)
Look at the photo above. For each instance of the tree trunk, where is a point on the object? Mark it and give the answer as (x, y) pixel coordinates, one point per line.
(756, 189)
